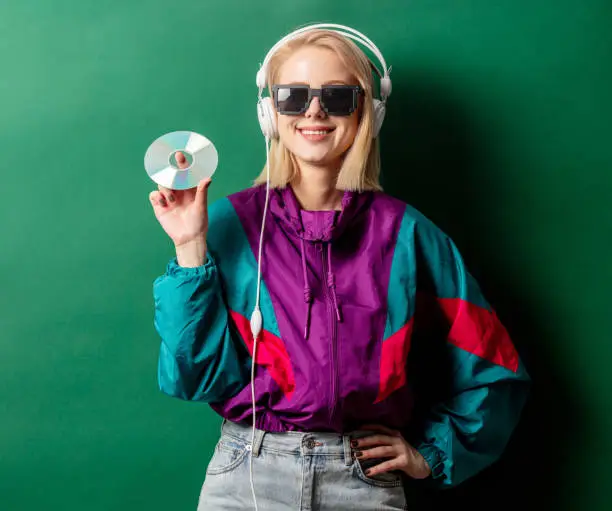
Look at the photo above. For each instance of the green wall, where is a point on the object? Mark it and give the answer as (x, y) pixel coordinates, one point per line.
(498, 129)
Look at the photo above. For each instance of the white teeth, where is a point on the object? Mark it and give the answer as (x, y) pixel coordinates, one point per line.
(313, 132)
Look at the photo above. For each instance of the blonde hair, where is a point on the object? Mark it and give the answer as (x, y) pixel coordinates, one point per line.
(360, 168)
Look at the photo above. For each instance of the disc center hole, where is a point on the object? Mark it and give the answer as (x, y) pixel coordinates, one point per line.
(186, 162)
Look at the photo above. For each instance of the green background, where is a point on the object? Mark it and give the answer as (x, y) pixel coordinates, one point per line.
(498, 128)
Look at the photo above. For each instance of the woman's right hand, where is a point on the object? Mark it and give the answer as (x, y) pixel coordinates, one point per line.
(183, 214)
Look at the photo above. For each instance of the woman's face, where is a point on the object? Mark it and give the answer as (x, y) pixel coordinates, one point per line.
(316, 67)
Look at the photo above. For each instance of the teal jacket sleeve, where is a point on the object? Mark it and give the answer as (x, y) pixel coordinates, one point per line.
(472, 382)
(202, 357)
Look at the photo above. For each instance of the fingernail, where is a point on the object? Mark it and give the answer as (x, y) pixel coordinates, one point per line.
(368, 472)
(354, 443)
(359, 454)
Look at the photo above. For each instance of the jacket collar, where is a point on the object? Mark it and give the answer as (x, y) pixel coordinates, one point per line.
(315, 225)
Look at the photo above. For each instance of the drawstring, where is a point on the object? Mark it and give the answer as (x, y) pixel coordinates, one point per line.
(307, 293)
(331, 282)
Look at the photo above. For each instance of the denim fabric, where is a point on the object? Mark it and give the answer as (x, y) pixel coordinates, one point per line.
(294, 471)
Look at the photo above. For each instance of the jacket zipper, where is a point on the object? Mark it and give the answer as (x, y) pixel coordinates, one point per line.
(333, 345)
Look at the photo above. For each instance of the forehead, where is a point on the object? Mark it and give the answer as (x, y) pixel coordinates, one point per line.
(314, 66)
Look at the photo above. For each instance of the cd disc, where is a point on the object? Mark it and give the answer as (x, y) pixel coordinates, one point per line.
(160, 160)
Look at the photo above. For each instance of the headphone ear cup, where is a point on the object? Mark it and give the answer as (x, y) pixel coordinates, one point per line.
(379, 116)
(267, 117)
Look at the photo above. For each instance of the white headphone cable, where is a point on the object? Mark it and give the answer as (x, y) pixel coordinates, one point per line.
(257, 320)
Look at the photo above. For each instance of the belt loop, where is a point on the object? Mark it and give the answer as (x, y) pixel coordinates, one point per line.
(259, 435)
(348, 454)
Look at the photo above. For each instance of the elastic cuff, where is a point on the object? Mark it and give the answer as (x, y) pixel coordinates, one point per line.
(434, 457)
(207, 270)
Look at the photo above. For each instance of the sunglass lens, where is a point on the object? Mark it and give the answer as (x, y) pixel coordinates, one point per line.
(338, 100)
(291, 100)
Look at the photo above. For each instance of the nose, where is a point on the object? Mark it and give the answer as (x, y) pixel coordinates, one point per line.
(314, 109)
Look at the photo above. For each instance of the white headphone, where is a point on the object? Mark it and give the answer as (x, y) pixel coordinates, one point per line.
(267, 121)
(265, 108)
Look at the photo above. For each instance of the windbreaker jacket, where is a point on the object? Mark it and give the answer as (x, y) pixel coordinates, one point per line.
(369, 316)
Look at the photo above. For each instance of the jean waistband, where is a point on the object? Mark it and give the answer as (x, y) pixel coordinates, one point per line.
(293, 442)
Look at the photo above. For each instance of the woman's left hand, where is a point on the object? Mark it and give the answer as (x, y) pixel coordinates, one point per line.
(389, 443)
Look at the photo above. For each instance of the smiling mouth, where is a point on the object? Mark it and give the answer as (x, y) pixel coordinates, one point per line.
(315, 133)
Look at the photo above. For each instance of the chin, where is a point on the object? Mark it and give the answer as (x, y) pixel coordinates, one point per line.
(314, 155)
(315, 158)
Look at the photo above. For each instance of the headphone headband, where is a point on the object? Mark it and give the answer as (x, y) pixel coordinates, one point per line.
(351, 33)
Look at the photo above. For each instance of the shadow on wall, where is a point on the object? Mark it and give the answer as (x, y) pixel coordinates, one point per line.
(432, 160)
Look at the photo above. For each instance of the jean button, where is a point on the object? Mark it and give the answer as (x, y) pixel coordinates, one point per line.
(310, 443)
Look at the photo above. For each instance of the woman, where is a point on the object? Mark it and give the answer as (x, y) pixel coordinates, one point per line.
(379, 361)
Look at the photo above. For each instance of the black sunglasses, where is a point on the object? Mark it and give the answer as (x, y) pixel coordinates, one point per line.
(334, 99)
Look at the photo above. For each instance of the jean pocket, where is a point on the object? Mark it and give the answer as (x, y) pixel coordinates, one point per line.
(384, 480)
(229, 453)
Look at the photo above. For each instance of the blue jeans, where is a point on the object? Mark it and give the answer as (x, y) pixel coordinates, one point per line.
(296, 472)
